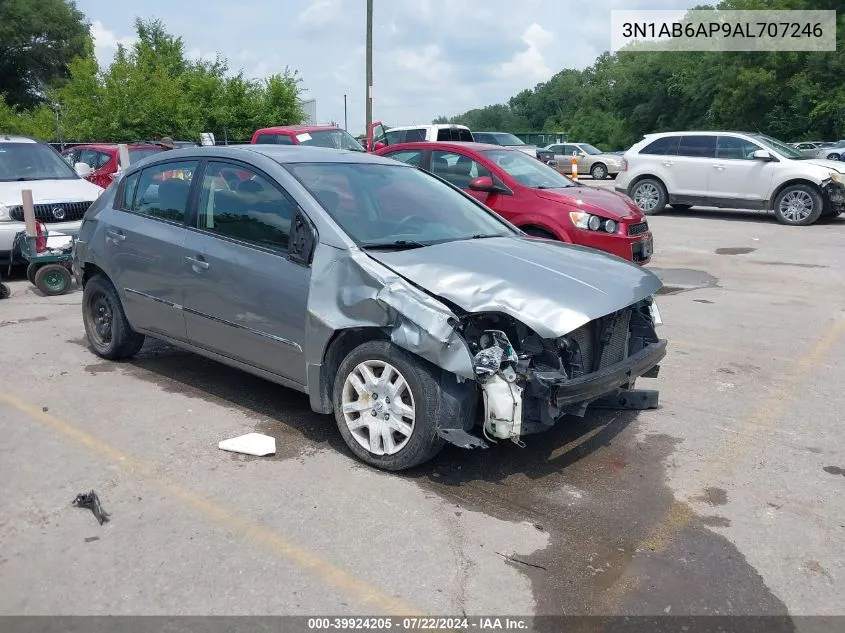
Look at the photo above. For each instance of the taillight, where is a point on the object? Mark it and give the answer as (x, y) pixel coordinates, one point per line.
(40, 238)
(624, 165)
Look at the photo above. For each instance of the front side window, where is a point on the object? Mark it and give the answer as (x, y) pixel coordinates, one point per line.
(697, 146)
(735, 148)
(528, 171)
(456, 168)
(32, 161)
(238, 203)
(781, 148)
(395, 206)
(163, 190)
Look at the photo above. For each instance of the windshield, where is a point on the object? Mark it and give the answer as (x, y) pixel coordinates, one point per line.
(395, 205)
(780, 147)
(335, 139)
(527, 170)
(32, 161)
(138, 154)
(589, 149)
(508, 139)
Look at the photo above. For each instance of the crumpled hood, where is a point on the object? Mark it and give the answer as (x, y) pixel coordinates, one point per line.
(835, 165)
(551, 287)
(603, 202)
(47, 191)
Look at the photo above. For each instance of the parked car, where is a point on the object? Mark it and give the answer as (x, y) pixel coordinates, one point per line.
(402, 314)
(314, 135)
(60, 195)
(103, 159)
(810, 148)
(535, 197)
(591, 160)
(831, 151)
(731, 170)
(382, 136)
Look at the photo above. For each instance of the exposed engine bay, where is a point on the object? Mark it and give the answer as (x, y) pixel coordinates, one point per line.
(527, 382)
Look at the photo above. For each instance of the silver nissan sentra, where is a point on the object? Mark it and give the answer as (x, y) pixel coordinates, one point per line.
(395, 301)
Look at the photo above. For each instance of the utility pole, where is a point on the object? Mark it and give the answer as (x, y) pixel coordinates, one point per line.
(369, 93)
(345, 122)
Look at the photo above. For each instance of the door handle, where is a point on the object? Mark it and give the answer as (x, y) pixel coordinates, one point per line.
(117, 236)
(719, 167)
(668, 163)
(197, 263)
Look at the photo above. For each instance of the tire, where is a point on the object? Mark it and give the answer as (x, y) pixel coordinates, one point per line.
(535, 232)
(598, 171)
(52, 279)
(798, 205)
(4, 291)
(31, 270)
(681, 207)
(421, 395)
(833, 156)
(108, 331)
(653, 196)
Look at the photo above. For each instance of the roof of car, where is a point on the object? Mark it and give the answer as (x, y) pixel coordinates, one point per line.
(478, 147)
(434, 126)
(114, 146)
(16, 138)
(279, 153)
(297, 128)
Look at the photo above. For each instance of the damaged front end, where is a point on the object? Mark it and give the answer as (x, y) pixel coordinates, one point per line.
(527, 383)
(834, 193)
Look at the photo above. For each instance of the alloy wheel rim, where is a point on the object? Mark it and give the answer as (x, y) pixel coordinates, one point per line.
(646, 197)
(100, 315)
(796, 206)
(378, 407)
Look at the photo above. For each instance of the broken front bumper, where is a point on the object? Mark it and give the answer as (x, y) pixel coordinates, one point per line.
(584, 389)
(835, 193)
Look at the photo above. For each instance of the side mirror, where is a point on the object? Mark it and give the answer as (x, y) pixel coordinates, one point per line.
(83, 170)
(762, 154)
(303, 240)
(483, 183)
(380, 145)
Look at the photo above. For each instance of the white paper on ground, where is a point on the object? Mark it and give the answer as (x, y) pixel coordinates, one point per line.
(250, 444)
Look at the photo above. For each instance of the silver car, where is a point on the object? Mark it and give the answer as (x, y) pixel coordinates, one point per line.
(395, 301)
(590, 160)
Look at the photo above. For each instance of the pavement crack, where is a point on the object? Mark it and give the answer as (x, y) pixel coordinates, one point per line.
(513, 559)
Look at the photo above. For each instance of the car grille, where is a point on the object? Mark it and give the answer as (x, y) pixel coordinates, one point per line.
(638, 229)
(614, 350)
(58, 212)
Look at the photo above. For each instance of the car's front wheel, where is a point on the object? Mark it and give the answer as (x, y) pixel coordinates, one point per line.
(387, 405)
(106, 326)
(649, 195)
(799, 205)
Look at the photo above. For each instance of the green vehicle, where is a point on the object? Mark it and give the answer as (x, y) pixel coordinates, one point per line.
(49, 265)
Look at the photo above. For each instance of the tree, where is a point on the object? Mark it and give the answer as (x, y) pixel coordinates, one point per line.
(38, 41)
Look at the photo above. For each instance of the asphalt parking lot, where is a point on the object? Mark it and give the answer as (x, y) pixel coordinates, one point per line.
(728, 499)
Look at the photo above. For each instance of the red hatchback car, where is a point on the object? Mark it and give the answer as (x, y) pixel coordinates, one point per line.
(535, 197)
(102, 158)
(315, 135)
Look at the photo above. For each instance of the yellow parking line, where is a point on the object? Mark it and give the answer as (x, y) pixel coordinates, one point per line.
(300, 557)
(679, 514)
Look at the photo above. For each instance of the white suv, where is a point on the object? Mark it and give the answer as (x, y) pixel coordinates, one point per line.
(731, 170)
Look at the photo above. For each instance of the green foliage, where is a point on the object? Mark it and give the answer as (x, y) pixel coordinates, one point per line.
(151, 90)
(38, 39)
(790, 95)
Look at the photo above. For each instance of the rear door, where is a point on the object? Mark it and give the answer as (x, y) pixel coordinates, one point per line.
(245, 299)
(143, 244)
(689, 173)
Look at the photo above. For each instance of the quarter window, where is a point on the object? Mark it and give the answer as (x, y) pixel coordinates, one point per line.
(456, 168)
(163, 190)
(697, 146)
(130, 186)
(238, 203)
(665, 146)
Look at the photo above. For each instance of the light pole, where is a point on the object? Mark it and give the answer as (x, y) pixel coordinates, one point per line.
(345, 122)
(59, 128)
(369, 94)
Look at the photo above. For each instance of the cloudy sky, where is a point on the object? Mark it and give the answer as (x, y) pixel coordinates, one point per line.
(430, 57)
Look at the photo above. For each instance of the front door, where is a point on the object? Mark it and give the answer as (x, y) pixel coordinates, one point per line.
(144, 240)
(245, 299)
(737, 177)
(376, 134)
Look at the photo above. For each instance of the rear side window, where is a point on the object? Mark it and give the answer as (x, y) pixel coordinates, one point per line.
(666, 146)
(409, 156)
(274, 139)
(697, 146)
(454, 134)
(162, 190)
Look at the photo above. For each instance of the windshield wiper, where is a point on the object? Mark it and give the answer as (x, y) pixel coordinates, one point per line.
(554, 186)
(398, 244)
(484, 236)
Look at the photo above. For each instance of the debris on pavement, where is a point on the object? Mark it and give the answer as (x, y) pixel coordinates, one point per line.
(91, 501)
(250, 444)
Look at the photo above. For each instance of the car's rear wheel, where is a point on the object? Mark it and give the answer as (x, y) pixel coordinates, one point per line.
(598, 171)
(798, 205)
(106, 326)
(387, 406)
(649, 195)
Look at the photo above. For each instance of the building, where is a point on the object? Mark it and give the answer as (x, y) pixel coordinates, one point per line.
(309, 108)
